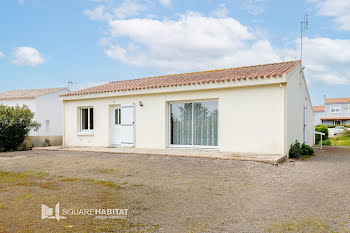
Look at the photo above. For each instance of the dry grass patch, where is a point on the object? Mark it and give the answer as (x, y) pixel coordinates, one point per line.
(69, 179)
(299, 224)
(191, 225)
(108, 170)
(53, 185)
(22, 194)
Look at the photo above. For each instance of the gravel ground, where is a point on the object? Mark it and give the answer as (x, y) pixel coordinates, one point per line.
(207, 195)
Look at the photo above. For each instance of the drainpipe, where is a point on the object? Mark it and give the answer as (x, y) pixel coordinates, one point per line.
(305, 123)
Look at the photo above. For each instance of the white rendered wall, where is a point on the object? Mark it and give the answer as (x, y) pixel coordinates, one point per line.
(296, 97)
(49, 108)
(251, 119)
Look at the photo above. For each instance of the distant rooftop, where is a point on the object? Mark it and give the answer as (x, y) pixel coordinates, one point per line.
(27, 94)
(337, 100)
(318, 108)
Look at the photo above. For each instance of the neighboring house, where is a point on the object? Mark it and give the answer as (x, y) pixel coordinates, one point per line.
(335, 111)
(47, 110)
(256, 109)
(318, 113)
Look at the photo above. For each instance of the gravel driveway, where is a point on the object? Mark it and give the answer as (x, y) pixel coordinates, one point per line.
(208, 195)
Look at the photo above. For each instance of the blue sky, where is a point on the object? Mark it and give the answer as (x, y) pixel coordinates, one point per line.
(48, 43)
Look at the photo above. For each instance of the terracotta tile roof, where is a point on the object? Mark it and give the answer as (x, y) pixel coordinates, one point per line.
(318, 108)
(27, 94)
(232, 74)
(337, 100)
(335, 118)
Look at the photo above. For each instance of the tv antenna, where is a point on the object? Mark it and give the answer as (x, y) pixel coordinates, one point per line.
(69, 83)
(304, 25)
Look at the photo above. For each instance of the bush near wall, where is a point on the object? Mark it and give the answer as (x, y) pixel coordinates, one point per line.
(15, 125)
(333, 126)
(322, 129)
(297, 151)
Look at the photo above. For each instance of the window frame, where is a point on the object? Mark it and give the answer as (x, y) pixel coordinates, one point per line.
(335, 107)
(169, 125)
(117, 117)
(88, 118)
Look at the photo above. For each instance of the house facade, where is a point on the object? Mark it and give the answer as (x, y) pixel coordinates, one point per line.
(47, 109)
(256, 109)
(335, 111)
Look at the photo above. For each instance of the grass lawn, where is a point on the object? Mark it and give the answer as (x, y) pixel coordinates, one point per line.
(341, 140)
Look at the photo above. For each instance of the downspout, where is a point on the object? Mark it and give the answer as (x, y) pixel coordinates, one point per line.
(305, 123)
(285, 117)
(64, 123)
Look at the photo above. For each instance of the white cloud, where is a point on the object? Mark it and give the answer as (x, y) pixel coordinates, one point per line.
(127, 8)
(221, 11)
(253, 7)
(98, 13)
(192, 41)
(326, 60)
(27, 56)
(20, 2)
(339, 9)
(165, 2)
(2, 55)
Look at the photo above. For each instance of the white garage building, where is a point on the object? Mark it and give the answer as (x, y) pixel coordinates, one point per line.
(256, 109)
(47, 109)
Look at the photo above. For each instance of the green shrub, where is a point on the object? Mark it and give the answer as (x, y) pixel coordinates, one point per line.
(333, 126)
(326, 142)
(46, 143)
(15, 125)
(307, 150)
(322, 129)
(22, 147)
(295, 150)
(347, 133)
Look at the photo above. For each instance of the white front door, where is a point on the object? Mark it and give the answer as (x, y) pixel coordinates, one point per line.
(127, 125)
(115, 126)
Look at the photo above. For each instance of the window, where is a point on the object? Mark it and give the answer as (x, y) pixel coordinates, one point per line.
(336, 122)
(335, 108)
(87, 118)
(194, 124)
(117, 116)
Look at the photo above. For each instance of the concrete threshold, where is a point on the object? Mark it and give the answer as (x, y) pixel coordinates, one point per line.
(183, 152)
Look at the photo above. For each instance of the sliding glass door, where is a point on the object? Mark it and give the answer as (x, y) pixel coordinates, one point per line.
(194, 124)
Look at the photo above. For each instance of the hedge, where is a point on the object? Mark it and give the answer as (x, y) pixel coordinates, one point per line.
(15, 125)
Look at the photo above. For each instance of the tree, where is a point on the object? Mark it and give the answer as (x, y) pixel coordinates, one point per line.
(15, 125)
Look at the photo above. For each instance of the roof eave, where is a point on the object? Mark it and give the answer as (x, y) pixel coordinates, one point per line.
(18, 98)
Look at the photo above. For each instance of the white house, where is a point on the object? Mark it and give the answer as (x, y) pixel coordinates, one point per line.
(256, 109)
(335, 111)
(47, 108)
